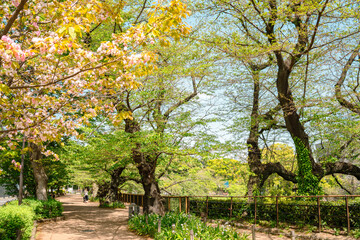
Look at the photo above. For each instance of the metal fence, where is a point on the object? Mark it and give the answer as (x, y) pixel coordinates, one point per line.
(335, 211)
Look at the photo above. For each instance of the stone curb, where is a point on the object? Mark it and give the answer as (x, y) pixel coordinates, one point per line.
(33, 232)
(56, 219)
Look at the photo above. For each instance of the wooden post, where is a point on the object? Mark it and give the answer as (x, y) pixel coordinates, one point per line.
(253, 232)
(207, 206)
(191, 234)
(293, 236)
(277, 211)
(186, 205)
(347, 215)
(319, 215)
(255, 211)
(179, 204)
(142, 200)
(231, 206)
(159, 225)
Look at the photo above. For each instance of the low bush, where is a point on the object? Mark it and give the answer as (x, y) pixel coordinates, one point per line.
(14, 219)
(113, 205)
(293, 211)
(42, 209)
(183, 224)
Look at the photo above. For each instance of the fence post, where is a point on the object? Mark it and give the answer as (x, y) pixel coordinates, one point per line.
(231, 206)
(253, 232)
(142, 200)
(277, 211)
(186, 205)
(179, 204)
(255, 211)
(319, 215)
(347, 215)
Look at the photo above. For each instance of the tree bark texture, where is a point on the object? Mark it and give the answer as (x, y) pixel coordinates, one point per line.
(40, 176)
(146, 165)
(109, 191)
(262, 171)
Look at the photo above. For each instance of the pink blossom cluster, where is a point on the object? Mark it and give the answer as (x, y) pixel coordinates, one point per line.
(10, 51)
(17, 165)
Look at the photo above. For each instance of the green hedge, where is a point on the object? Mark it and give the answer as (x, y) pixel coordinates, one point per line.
(301, 212)
(42, 209)
(14, 218)
(183, 224)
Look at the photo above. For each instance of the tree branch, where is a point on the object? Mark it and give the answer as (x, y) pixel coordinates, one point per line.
(341, 186)
(13, 18)
(343, 102)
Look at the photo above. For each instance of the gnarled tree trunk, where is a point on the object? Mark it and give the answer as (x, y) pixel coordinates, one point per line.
(146, 166)
(108, 193)
(40, 176)
(262, 171)
(153, 202)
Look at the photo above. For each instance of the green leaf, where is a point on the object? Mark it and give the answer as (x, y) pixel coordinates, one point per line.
(4, 88)
(72, 32)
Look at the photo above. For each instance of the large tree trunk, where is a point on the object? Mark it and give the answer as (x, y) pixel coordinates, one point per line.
(262, 171)
(153, 202)
(109, 191)
(254, 152)
(40, 176)
(292, 118)
(146, 166)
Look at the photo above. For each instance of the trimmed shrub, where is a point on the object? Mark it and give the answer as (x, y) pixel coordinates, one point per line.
(299, 212)
(42, 209)
(16, 218)
(112, 205)
(183, 224)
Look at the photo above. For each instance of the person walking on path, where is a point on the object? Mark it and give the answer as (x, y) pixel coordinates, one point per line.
(86, 195)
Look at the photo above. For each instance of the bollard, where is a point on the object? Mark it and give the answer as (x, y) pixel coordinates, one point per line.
(159, 226)
(293, 236)
(191, 234)
(131, 210)
(253, 232)
(136, 209)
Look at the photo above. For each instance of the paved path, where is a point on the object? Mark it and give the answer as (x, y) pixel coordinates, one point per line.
(87, 221)
(4, 200)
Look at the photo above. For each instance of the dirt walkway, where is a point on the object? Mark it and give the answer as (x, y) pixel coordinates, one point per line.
(87, 221)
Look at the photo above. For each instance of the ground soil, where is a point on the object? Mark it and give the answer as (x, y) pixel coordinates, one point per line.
(87, 221)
